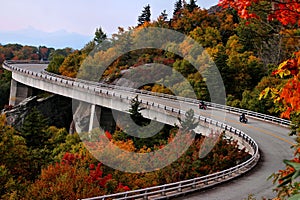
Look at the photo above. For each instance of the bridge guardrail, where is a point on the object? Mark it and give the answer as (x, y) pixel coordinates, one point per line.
(261, 116)
(166, 190)
(184, 99)
(9, 62)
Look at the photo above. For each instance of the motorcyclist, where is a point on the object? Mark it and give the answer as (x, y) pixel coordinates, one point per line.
(202, 105)
(243, 118)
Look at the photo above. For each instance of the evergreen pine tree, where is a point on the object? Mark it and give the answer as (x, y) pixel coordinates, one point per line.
(145, 16)
(192, 5)
(135, 113)
(163, 15)
(34, 129)
(178, 8)
(100, 36)
(189, 123)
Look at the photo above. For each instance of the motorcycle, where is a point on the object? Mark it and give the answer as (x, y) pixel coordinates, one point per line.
(243, 119)
(202, 106)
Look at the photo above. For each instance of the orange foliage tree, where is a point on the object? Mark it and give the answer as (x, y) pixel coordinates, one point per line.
(285, 11)
(72, 63)
(288, 96)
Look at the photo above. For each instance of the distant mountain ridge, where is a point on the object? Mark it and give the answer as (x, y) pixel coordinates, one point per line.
(34, 37)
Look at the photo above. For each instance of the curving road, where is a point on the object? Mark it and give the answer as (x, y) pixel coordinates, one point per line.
(274, 144)
(273, 141)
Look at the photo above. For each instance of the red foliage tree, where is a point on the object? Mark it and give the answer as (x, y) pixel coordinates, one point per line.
(74, 178)
(285, 11)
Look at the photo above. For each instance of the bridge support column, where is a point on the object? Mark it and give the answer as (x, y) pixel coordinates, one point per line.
(18, 92)
(90, 116)
(93, 118)
(103, 117)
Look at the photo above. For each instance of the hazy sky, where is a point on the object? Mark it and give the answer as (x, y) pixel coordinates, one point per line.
(80, 16)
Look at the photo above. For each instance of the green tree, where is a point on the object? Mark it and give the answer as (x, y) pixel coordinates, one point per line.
(135, 112)
(5, 178)
(163, 15)
(34, 129)
(184, 67)
(100, 36)
(251, 100)
(71, 143)
(244, 69)
(177, 8)
(13, 163)
(145, 16)
(220, 58)
(65, 52)
(191, 5)
(55, 63)
(189, 122)
(209, 37)
(56, 59)
(162, 20)
(5, 78)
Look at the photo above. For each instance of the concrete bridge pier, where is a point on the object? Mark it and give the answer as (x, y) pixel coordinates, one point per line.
(18, 92)
(87, 116)
(103, 117)
(93, 118)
